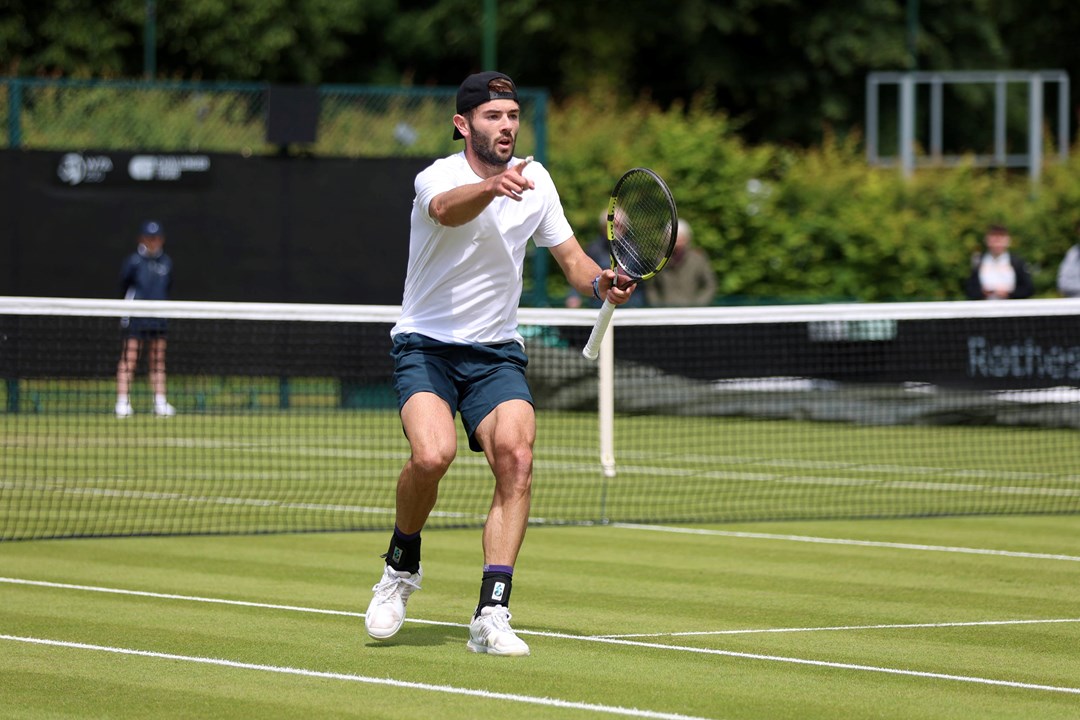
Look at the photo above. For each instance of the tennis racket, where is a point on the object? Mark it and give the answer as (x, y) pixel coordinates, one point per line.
(641, 227)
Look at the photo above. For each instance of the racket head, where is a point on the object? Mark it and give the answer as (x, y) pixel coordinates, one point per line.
(642, 224)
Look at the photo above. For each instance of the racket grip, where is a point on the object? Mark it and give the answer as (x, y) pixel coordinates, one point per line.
(603, 319)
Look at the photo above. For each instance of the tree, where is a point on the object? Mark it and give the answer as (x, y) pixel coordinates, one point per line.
(68, 37)
(238, 40)
(787, 70)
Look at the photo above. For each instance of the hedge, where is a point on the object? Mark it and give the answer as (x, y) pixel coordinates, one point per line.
(793, 224)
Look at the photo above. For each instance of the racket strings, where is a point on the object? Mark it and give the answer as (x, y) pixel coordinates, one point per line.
(643, 222)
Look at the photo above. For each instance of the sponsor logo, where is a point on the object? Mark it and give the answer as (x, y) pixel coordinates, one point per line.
(148, 168)
(1022, 360)
(76, 168)
(498, 591)
(851, 330)
(397, 555)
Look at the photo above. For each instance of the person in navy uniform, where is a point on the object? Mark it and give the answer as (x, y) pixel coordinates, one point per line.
(145, 275)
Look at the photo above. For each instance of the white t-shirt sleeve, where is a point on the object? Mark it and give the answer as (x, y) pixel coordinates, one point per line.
(554, 229)
(433, 180)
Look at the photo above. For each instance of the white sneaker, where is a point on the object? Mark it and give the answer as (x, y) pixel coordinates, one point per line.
(123, 409)
(386, 613)
(164, 410)
(491, 633)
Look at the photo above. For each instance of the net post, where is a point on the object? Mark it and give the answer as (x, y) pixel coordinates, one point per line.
(606, 415)
(606, 401)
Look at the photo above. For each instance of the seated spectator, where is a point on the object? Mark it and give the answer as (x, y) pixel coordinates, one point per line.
(599, 251)
(997, 274)
(687, 279)
(1068, 277)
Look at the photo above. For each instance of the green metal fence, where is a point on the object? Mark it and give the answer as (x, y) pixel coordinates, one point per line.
(353, 120)
(6, 115)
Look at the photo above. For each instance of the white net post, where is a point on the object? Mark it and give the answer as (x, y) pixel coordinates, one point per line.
(606, 402)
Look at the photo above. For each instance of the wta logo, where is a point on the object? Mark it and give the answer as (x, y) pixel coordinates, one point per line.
(76, 168)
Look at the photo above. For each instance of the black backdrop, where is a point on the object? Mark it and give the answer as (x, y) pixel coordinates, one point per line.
(256, 229)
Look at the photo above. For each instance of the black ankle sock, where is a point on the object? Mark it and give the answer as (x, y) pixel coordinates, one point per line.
(404, 551)
(495, 588)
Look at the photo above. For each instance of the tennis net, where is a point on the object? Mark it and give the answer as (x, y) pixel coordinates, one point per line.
(287, 420)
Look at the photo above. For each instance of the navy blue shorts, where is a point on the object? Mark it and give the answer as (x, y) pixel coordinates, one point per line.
(472, 379)
(144, 328)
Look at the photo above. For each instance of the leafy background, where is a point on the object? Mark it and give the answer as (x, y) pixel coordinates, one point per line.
(752, 110)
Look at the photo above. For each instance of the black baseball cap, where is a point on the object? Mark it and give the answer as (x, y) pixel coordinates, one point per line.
(151, 228)
(474, 92)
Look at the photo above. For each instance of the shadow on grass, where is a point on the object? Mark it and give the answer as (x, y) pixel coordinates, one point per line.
(422, 636)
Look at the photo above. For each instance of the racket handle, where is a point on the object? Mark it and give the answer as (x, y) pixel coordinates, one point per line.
(592, 348)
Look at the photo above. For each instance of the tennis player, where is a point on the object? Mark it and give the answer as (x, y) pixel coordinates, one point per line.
(457, 349)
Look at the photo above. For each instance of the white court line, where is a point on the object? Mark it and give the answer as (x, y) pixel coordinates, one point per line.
(445, 689)
(223, 500)
(650, 471)
(896, 626)
(594, 639)
(347, 613)
(171, 596)
(837, 665)
(843, 541)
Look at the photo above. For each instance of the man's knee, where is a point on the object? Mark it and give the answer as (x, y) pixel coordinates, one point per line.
(513, 466)
(433, 460)
(520, 456)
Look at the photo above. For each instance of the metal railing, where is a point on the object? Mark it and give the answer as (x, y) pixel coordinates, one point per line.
(353, 120)
(907, 155)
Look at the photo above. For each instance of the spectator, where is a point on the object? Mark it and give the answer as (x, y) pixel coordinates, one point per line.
(599, 251)
(1068, 277)
(998, 274)
(688, 278)
(145, 275)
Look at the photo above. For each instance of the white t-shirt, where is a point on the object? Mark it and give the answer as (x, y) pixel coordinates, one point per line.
(464, 284)
(997, 273)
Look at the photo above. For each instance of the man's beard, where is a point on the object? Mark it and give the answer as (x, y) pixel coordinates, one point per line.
(484, 148)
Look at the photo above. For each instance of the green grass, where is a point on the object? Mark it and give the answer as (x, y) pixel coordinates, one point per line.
(950, 617)
(758, 597)
(67, 474)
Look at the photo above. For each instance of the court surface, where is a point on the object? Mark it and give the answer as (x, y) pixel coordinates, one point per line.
(928, 618)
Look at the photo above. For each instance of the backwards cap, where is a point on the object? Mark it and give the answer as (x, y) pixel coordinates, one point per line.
(474, 91)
